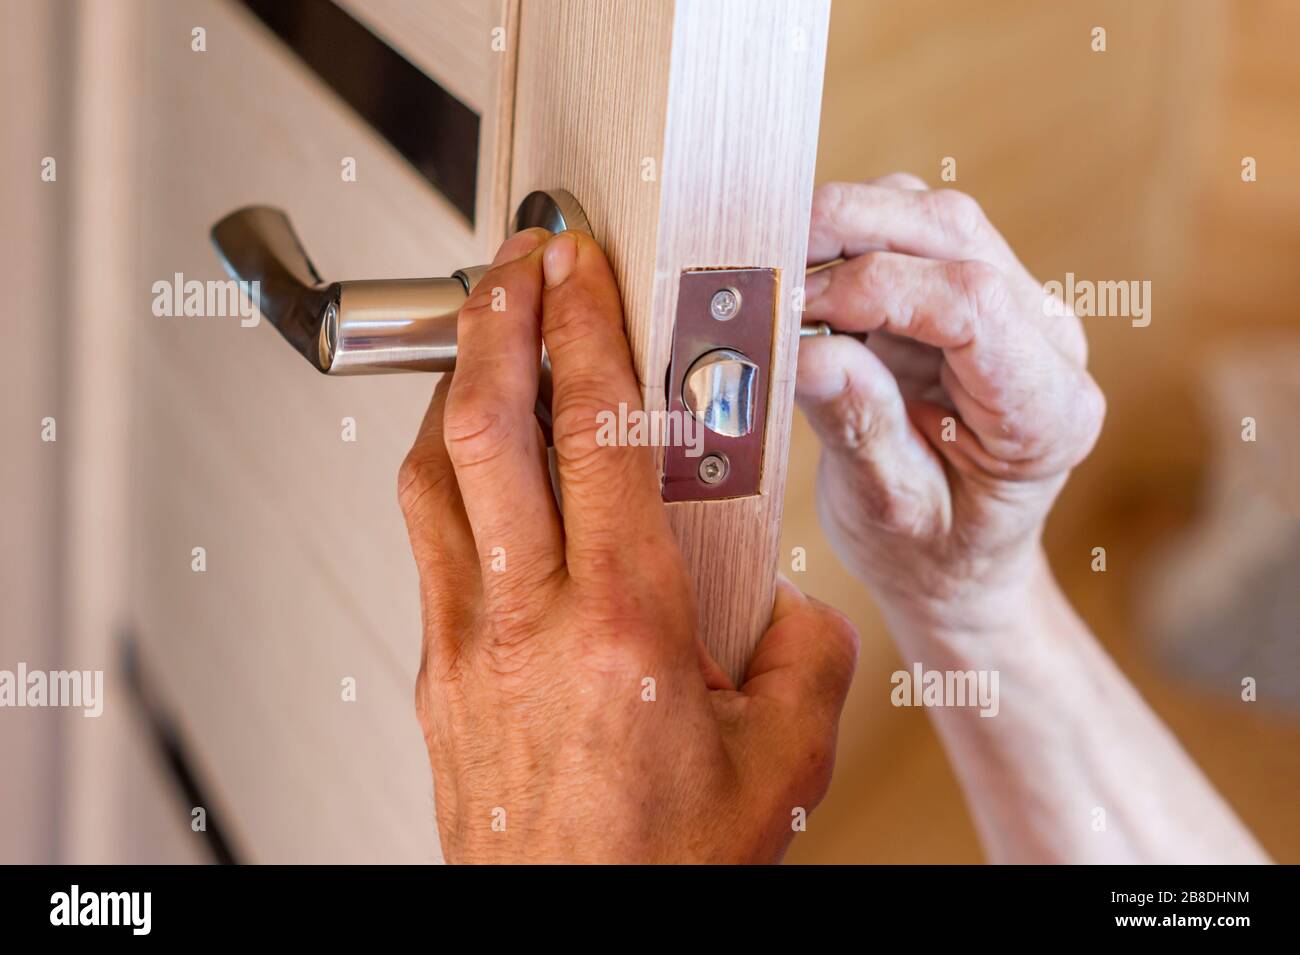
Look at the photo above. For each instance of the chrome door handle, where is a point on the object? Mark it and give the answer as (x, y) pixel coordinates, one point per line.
(363, 327)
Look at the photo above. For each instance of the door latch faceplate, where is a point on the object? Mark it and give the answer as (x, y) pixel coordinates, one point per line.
(718, 383)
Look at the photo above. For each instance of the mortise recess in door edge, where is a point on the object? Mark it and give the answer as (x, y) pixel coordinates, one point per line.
(729, 313)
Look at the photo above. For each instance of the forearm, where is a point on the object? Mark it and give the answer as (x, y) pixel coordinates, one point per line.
(1074, 767)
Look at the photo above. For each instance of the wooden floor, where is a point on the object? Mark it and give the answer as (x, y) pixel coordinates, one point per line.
(1117, 165)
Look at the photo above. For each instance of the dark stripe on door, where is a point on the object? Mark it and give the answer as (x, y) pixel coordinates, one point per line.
(172, 751)
(437, 133)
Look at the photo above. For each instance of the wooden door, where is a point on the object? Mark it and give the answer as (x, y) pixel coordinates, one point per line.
(689, 132)
(269, 591)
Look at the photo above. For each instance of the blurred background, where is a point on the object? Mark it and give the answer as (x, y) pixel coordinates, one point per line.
(1122, 165)
(1118, 165)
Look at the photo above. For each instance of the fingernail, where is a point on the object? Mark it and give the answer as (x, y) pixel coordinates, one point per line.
(518, 245)
(558, 259)
(815, 283)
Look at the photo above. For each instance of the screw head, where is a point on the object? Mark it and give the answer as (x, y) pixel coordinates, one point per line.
(714, 468)
(725, 304)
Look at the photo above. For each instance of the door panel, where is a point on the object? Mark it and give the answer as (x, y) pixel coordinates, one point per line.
(451, 40)
(238, 448)
(688, 133)
(697, 153)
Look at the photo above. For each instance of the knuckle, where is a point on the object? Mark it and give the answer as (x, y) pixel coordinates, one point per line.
(1022, 435)
(509, 644)
(626, 595)
(1060, 438)
(843, 633)
(438, 692)
(483, 301)
(1074, 341)
(424, 707)
(828, 200)
(623, 655)
(475, 429)
(577, 425)
(983, 286)
(507, 658)
(842, 642)
(1092, 416)
(875, 275)
(897, 510)
(421, 482)
(909, 180)
(579, 317)
(520, 600)
(667, 592)
(492, 294)
(599, 555)
(856, 427)
(819, 765)
(957, 215)
(599, 559)
(1017, 436)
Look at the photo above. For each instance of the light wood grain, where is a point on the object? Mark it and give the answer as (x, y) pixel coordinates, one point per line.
(237, 448)
(106, 45)
(34, 126)
(234, 444)
(467, 47)
(722, 99)
(450, 40)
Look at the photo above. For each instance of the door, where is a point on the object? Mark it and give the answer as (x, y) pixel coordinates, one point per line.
(268, 593)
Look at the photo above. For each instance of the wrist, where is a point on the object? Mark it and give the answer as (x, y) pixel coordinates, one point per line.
(993, 617)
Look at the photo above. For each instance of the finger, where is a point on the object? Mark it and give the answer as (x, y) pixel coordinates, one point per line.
(715, 678)
(959, 446)
(806, 658)
(899, 180)
(849, 219)
(1025, 400)
(914, 366)
(856, 407)
(612, 504)
(897, 213)
(493, 440)
(798, 680)
(922, 299)
(441, 539)
(1046, 434)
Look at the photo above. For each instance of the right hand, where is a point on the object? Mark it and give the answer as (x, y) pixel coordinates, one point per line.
(945, 532)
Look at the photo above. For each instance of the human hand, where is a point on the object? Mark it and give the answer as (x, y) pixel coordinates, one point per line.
(569, 708)
(948, 436)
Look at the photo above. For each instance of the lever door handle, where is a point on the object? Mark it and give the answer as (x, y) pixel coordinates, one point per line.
(370, 326)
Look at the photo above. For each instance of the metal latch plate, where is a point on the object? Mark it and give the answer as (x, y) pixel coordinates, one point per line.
(713, 466)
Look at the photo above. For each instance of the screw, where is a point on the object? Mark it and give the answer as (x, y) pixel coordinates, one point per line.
(725, 304)
(714, 468)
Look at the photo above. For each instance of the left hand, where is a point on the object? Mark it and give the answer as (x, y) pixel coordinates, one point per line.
(947, 438)
(570, 710)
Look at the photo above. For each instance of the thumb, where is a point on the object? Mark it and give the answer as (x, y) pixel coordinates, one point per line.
(795, 691)
(854, 403)
(805, 661)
